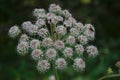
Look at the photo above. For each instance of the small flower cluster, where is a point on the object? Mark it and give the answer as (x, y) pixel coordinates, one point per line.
(54, 38)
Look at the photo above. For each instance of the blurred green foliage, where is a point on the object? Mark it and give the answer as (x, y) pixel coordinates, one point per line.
(103, 14)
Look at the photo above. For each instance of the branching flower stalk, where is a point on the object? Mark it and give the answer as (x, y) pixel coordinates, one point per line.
(54, 38)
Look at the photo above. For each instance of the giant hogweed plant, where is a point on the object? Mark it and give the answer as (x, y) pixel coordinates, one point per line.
(55, 39)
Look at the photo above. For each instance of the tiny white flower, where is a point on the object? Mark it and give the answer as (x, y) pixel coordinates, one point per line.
(78, 64)
(23, 48)
(14, 31)
(34, 44)
(79, 49)
(82, 39)
(92, 51)
(51, 54)
(36, 54)
(59, 44)
(42, 32)
(54, 8)
(74, 32)
(47, 42)
(66, 13)
(61, 30)
(43, 65)
(70, 40)
(60, 64)
(23, 37)
(68, 52)
(40, 23)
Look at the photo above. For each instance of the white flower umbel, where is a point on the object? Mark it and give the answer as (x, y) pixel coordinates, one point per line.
(37, 54)
(55, 33)
(78, 64)
(14, 31)
(43, 65)
(59, 44)
(61, 30)
(60, 64)
(47, 42)
(23, 37)
(51, 54)
(79, 49)
(68, 52)
(43, 32)
(23, 48)
(70, 40)
(82, 39)
(34, 44)
(92, 51)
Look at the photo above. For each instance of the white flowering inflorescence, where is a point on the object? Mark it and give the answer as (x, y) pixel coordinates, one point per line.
(54, 39)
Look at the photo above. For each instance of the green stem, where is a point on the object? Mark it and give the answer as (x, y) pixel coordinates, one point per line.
(109, 76)
(56, 74)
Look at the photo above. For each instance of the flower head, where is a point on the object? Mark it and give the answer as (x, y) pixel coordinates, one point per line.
(43, 65)
(23, 48)
(78, 64)
(14, 31)
(68, 52)
(92, 51)
(23, 37)
(60, 63)
(51, 54)
(59, 44)
(37, 54)
(61, 30)
(34, 44)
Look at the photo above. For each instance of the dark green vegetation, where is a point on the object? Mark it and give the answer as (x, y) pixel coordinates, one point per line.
(103, 14)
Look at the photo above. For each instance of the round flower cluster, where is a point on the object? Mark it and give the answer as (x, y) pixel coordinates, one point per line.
(54, 39)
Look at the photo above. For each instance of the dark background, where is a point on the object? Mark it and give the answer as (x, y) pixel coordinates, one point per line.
(103, 14)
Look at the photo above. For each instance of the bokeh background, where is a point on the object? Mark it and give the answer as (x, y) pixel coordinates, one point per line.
(103, 14)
